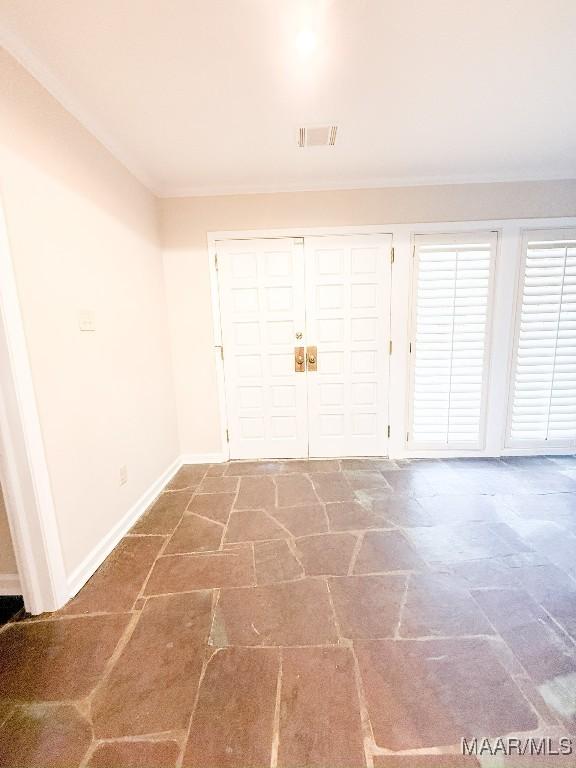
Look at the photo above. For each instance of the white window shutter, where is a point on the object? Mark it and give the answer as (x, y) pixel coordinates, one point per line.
(452, 283)
(543, 401)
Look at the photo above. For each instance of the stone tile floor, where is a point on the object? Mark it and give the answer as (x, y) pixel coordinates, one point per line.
(334, 613)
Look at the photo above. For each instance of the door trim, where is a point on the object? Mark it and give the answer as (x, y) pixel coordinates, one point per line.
(509, 232)
(214, 238)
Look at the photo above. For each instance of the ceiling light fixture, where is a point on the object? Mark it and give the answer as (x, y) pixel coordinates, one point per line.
(306, 42)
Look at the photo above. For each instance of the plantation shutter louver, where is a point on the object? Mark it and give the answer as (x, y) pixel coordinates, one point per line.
(451, 307)
(543, 403)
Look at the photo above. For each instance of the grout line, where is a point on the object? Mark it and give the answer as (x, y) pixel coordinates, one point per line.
(186, 739)
(403, 602)
(276, 726)
(366, 725)
(355, 553)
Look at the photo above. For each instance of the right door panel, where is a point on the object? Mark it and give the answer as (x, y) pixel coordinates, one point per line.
(348, 321)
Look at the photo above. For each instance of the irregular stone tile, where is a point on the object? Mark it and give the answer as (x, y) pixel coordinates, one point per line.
(436, 692)
(547, 482)
(135, 754)
(275, 562)
(188, 476)
(218, 484)
(312, 465)
(256, 493)
(332, 486)
(117, 583)
(139, 604)
(319, 711)
(543, 653)
(562, 607)
(44, 737)
(54, 660)
(459, 543)
(409, 482)
(326, 553)
(436, 604)
(404, 511)
(425, 761)
(360, 479)
(528, 570)
(367, 606)
(555, 507)
(183, 573)
(152, 685)
(350, 515)
(164, 514)
(195, 534)
(252, 525)
(234, 719)
(242, 468)
(444, 509)
(369, 465)
(387, 551)
(550, 540)
(217, 470)
(295, 490)
(293, 613)
(214, 506)
(302, 521)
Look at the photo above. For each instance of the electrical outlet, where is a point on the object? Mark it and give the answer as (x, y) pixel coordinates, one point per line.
(123, 474)
(86, 320)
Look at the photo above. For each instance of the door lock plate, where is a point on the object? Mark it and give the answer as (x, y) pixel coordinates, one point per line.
(299, 360)
(312, 358)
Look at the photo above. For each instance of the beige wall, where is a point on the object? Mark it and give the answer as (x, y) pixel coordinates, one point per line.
(186, 221)
(84, 236)
(7, 559)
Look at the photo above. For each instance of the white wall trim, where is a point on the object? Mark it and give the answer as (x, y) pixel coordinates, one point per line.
(29, 503)
(100, 552)
(10, 584)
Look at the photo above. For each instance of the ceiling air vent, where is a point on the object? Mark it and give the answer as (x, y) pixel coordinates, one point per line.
(317, 136)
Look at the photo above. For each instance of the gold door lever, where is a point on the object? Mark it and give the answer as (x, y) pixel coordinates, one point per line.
(312, 358)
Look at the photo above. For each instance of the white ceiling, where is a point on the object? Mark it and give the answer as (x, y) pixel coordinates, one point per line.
(204, 96)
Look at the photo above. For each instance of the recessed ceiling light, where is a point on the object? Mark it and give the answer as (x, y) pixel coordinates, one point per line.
(306, 42)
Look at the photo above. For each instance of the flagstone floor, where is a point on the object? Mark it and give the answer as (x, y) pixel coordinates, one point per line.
(333, 613)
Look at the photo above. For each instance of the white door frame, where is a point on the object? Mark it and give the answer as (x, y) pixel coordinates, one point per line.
(24, 471)
(508, 255)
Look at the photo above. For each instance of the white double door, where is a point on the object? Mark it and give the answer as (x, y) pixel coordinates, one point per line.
(281, 298)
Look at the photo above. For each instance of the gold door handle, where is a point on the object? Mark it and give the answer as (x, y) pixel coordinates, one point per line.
(299, 360)
(312, 358)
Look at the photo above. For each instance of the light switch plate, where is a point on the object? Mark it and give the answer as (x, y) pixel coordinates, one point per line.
(86, 320)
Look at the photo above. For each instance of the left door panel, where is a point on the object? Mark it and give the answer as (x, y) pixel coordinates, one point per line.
(262, 310)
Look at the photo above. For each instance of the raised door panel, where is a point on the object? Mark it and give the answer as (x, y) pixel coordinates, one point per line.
(262, 309)
(348, 320)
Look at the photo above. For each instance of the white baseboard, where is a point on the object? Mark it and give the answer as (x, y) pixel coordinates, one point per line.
(88, 566)
(10, 584)
(203, 458)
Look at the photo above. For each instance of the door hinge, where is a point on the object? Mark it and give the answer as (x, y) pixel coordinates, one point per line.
(388, 430)
(216, 261)
(407, 436)
(410, 347)
(222, 353)
(227, 436)
(390, 347)
(298, 241)
(392, 255)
